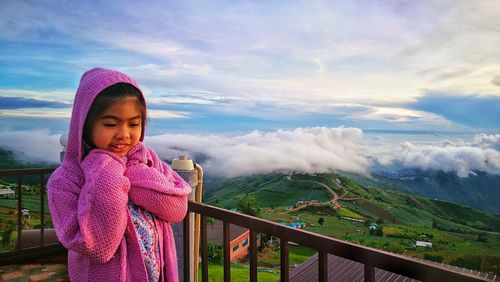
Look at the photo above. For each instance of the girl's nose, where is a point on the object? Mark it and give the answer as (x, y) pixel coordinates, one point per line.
(123, 132)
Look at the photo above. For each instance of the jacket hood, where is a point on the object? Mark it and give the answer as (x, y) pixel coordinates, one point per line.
(91, 84)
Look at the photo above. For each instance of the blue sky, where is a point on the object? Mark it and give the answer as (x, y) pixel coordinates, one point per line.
(227, 66)
(253, 86)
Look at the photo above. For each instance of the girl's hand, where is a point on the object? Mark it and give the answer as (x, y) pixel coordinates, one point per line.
(99, 156)
(165, 195)
(137, 155)
(91, 217)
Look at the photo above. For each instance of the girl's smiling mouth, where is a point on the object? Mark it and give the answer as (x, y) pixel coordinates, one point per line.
(119, 148)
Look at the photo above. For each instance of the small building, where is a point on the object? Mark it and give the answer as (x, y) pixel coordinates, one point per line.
(423, 244)
(239, 239)
(26, 212)
(298, 225)
(7, 193)
(353, 219)
(373, 226)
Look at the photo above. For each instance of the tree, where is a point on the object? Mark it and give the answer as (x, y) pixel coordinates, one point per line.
(379, 231)
(215, 251)
(248, 205)
(321, 221)
(210, 220)
(265, 242)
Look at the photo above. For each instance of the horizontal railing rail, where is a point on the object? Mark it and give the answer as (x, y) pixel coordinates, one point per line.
(21, 254)
(371, 258)
(26, 171)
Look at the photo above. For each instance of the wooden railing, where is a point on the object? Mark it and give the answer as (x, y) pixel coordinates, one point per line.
(369, 257)
(21, 254)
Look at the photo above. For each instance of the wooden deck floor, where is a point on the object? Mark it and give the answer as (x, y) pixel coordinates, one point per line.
(47, 269)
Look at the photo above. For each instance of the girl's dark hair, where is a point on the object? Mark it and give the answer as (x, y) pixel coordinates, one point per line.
(106, 98)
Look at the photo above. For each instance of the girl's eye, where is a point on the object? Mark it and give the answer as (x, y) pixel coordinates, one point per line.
(134, 124)
(109, 124)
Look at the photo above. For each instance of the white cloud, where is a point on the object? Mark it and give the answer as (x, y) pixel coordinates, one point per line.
(463, 159)
(33, 145)
(316, 149)
(496, 80)
(488, 141)
(304, 149)
(386, 53)
(320, 65)
(399, 115)
(37, 113)
(321, 149)
(66, 96)
(165, 114)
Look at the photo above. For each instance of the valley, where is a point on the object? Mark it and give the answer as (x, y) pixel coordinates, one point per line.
(334, 205)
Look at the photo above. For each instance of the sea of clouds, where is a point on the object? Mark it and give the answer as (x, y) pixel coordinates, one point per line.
(316, 149)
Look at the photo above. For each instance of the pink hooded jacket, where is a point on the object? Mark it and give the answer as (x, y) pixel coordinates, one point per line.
(88, 198)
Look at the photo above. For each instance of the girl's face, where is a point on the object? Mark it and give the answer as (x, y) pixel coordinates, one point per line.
(119, 127)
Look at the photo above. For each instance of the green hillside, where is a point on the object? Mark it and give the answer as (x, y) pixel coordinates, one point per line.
(275, 190)
(270, 190)
(460, 235)
(478, 190)
(8, 160)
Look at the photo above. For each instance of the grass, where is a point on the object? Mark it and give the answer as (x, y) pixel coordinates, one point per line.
(31, 202)
(296, 255)
(268, 193)
(348, 213)
(400, 237)
(8, 220)
(239, 272)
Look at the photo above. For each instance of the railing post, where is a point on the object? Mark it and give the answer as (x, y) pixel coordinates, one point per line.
(227, 258)
(187, 263)
(284, 260)
(42, 211)
(253, 256)
(322, 266)
(369, 273)
(204, 249)
(19, 214)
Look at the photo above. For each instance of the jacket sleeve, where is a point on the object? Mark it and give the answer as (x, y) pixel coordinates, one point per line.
(92, 220)
(158, 189)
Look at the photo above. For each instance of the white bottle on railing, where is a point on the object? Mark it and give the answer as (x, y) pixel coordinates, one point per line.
(186, 169)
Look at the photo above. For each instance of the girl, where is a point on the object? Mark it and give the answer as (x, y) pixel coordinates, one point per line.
(112, 198)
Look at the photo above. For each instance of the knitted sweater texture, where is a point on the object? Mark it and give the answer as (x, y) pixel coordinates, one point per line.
(88, 198)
